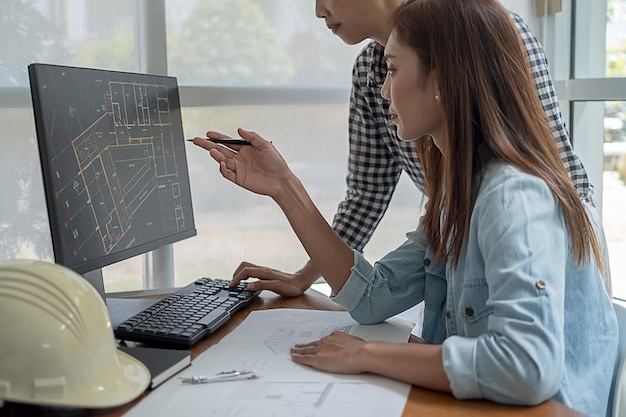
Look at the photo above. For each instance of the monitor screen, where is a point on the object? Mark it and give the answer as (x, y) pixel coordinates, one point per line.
(113, 160)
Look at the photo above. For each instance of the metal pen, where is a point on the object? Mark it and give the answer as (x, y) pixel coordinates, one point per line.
(221, 377)
(226, 141)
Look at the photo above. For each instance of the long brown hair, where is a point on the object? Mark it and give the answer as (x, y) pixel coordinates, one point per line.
(491, 112)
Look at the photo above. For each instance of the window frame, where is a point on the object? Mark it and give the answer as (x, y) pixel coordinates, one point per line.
(554, 31)
(151, 46)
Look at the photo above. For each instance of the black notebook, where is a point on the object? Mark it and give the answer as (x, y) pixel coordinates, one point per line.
(162, 363)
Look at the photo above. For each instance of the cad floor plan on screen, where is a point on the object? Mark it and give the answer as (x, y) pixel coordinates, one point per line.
(117, 153)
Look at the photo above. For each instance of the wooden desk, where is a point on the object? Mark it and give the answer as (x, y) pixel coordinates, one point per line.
(421, 402)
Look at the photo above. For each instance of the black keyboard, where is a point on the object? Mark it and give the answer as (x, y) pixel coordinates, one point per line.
(187, 315)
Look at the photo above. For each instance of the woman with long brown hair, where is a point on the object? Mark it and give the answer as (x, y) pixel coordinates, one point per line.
(504, 243)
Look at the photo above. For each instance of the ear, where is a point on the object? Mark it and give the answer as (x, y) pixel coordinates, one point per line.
(435, 86)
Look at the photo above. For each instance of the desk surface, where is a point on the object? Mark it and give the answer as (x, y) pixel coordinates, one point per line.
(421, 402)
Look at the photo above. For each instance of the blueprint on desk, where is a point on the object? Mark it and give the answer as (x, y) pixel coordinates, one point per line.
(284, 388)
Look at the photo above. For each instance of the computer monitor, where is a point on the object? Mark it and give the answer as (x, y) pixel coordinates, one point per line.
(112, 154)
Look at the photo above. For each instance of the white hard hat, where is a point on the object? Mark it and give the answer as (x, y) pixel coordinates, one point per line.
(57, 346)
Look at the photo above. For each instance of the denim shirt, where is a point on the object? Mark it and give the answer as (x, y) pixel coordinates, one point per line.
(520, 321)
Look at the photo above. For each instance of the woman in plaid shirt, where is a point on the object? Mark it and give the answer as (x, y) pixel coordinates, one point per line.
(377, 157)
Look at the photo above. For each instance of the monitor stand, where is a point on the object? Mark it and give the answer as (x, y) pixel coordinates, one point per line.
(119, 308)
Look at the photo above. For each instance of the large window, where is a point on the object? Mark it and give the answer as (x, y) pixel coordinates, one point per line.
(614, 148)
(585, 41)
(267, 65)
(52, 32)
(271, 66)
(597, 105)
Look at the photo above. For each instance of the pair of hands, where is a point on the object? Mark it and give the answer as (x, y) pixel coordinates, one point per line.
(261, 169)
(337, 352)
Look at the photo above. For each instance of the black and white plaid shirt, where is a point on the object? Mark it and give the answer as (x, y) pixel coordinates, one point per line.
(377, 157)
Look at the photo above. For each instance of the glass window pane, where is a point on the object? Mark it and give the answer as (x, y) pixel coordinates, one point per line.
(614, 148)
(24, 227)
(24, 230)
(70, 32)
(600, 39)
(254, 43)
(616, 38)
(614, 192)
(600, 129)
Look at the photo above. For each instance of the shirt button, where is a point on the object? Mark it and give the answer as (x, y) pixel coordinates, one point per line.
(469, 312)
(541, 284)
(426, 262)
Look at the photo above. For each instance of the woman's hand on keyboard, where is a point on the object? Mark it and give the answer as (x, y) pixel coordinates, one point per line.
(282, 283)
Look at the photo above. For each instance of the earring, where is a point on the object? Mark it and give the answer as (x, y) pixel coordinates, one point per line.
(437, 97)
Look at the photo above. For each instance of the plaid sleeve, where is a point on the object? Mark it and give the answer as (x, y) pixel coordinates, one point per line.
(547, 95)
(373, 171)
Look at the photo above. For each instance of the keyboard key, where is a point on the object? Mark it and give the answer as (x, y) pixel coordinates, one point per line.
(213, 317)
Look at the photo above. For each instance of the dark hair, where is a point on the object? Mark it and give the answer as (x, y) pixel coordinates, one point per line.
(491, 112)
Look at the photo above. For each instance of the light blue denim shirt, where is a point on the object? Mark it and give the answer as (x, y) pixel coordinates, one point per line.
(520, 321)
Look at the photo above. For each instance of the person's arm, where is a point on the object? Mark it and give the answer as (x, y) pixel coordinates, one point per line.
(372, 294)
(368, 193)
(547, 95)
(328, 252)
(282, 283)
(512, 348)
(572, 163)
(261, 169)
(510, 312)
(414, 363)
(373, 171)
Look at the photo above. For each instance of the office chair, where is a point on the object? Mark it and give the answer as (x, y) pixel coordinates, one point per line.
(619, 384)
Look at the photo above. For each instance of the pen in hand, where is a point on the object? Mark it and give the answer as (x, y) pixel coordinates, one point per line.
(226, 141)
(221, 377)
